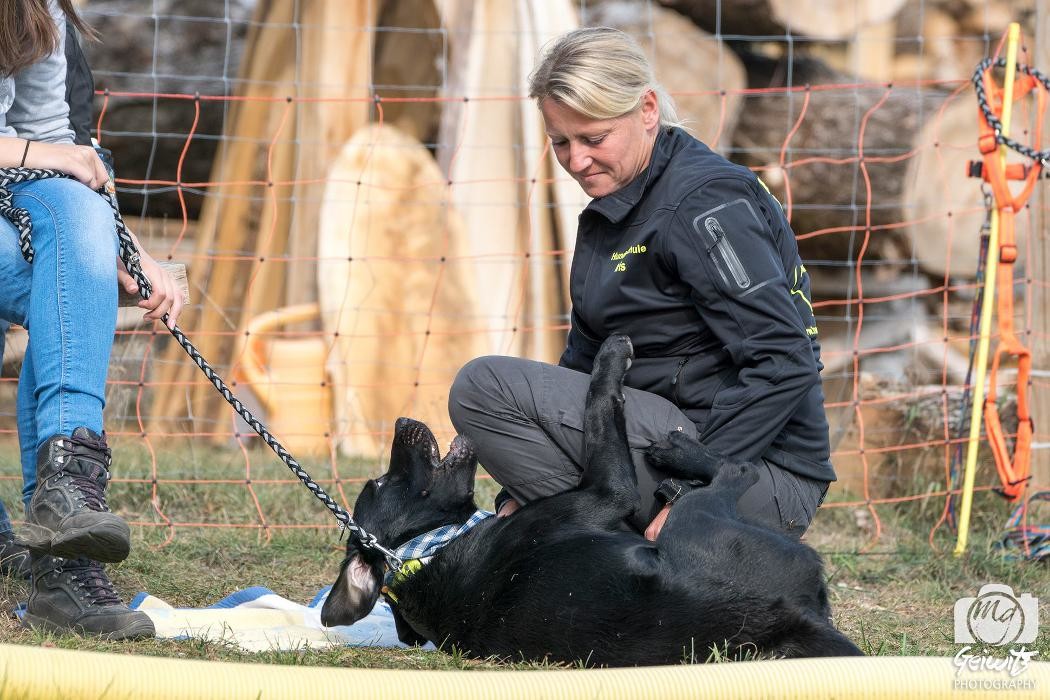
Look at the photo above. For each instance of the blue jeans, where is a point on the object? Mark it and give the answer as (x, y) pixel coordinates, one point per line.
(5, 519)
(67, 301)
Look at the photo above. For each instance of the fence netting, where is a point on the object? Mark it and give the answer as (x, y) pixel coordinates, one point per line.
(364, 198)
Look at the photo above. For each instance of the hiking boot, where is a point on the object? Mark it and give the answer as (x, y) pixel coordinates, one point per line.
(14, 559)
(68, 516)
(75, 595)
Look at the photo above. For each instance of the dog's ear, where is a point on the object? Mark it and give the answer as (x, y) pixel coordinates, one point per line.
(354, 593)
(463, 477)
(413, 451)
(400, 460)
(460, 463)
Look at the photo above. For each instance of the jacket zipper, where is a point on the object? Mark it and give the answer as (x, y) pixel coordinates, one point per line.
(674, 379)
(732, 261)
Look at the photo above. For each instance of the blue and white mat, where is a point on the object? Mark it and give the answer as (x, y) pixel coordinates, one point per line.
(257, 619)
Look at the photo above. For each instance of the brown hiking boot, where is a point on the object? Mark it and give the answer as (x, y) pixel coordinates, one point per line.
(75, 595)
(68, 516)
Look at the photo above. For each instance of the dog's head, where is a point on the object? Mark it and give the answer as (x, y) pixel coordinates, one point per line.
(419, 493)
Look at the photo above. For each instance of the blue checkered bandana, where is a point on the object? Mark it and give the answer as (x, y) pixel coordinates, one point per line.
(428, 544)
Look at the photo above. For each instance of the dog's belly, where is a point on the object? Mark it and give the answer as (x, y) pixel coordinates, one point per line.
(607, 598)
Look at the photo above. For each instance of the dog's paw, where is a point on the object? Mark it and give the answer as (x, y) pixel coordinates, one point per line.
(668, 452)
(739, 476)
(615, 355)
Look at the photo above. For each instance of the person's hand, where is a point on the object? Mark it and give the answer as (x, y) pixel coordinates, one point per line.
(509, 506)
(82, 162)
(653, 531)
(166, 297)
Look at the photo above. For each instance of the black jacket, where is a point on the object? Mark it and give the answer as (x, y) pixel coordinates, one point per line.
(695, 261)
(80, 89)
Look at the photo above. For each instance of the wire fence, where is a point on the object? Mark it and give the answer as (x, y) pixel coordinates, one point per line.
(364, 199)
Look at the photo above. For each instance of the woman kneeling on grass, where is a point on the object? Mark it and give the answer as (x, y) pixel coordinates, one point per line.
(690, 256)
(67, 301)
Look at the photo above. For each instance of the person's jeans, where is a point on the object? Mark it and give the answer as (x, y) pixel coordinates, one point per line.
(67, 301)
(5, 519)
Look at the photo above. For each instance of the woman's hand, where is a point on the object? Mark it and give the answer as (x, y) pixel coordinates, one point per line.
(653, 531)
(509, 507)
(82, 162)
(166, 297)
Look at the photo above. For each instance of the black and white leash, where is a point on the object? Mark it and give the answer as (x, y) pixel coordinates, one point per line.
(130, 255)
(1041, 157)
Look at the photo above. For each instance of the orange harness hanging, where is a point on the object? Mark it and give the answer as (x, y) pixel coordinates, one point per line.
(1013, 473)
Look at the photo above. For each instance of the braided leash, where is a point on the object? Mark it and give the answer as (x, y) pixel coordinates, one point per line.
(1040, 157)
(130, 255)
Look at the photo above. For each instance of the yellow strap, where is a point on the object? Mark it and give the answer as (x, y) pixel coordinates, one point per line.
(407, 569)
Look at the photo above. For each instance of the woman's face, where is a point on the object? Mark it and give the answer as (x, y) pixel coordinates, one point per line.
(602, 155)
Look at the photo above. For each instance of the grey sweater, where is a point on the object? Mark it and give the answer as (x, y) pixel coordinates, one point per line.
(33, 101)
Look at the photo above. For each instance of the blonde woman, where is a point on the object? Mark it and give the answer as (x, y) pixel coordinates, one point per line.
(692, 258)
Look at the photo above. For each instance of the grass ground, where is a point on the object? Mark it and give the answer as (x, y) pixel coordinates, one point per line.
(892, 596)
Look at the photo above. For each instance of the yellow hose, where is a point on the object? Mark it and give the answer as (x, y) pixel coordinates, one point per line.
(31, 673)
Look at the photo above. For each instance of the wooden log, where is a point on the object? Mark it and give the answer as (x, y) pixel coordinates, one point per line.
(770, 19)
(903, 441)
(933, 44)
(457, 19)
(806, 145)
(410, 62)
(336, 64)
(947, 206)
(527, 288)
(229, 222)
(397, 291)
(872, 50)
(702, 74)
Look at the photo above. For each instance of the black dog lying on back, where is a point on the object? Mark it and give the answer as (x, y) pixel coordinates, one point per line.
(564, 579)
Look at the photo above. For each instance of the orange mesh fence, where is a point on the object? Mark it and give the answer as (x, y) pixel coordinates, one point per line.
(353, 234)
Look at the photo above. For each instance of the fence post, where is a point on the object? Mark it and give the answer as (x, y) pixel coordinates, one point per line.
(1040, 292)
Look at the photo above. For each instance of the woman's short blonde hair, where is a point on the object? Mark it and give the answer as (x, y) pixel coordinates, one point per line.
(599, 72)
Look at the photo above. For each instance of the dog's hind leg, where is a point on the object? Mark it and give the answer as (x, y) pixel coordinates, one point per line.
(703, 508)
(608, 469)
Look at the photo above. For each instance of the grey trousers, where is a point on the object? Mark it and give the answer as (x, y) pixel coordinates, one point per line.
(526, 421)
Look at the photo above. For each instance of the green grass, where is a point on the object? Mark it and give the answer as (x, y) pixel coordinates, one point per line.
(892, 596)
